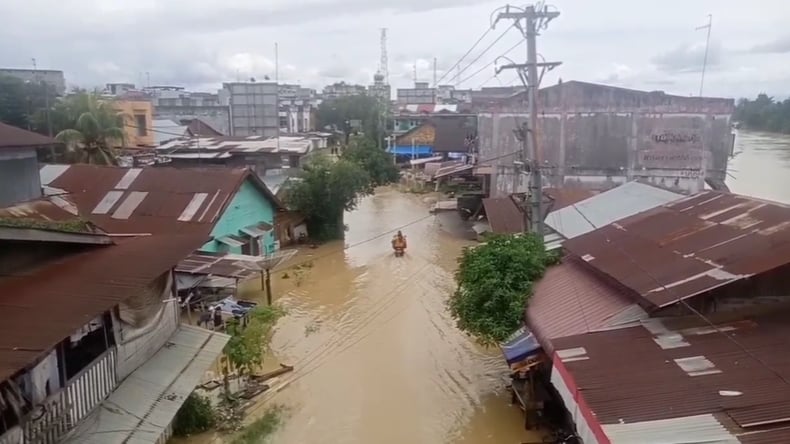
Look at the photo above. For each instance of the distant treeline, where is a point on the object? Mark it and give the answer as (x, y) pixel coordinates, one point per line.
(764, 114)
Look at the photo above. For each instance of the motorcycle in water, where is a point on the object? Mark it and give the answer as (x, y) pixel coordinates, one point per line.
(399, 245)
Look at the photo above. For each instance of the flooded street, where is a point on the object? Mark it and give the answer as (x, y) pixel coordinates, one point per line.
(378, 360)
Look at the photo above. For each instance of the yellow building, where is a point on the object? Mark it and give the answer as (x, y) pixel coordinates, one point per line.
(138, 118)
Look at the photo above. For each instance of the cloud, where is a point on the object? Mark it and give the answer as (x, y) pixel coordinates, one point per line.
(688, 58)
(778, 46)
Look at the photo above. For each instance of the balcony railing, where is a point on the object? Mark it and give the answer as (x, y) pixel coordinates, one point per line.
(59, 413)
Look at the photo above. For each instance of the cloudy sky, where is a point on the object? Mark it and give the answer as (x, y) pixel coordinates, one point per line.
(642, 44)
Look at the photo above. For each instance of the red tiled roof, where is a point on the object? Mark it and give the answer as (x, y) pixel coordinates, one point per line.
(690, 246)
(503, 215)
(631, 375)
(39, 308)
(569, 300)
(13, 137)
(151, 200)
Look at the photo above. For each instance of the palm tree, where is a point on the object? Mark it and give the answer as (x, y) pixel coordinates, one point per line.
(92, 128)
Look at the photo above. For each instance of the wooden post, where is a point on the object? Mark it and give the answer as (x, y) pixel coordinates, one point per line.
(268, 287)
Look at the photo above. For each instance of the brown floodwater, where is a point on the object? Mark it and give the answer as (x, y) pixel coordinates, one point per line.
(377, 357)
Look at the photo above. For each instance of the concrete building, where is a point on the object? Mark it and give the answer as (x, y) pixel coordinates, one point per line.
(19, 163)
(52, 77)
(176, 104)
(297, 109)
(138, 116)
(421, 94)
(117, 89)
(342, 89)
(253, 107)
(597, 136)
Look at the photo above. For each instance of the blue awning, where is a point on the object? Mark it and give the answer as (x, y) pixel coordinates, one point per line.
(520, 346)
(408, 150)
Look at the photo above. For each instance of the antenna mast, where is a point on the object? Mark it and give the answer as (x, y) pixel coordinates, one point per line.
(383, 63)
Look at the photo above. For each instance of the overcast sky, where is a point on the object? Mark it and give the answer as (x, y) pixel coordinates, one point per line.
(642, 44)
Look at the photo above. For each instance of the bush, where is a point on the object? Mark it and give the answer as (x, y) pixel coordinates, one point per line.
(494, 284)
(261, 429)
(195, 416)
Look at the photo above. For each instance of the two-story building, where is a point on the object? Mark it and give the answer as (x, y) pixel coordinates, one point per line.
(232, 207)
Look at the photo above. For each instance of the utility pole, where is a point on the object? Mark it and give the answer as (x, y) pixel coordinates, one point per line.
(709, 26)
(535, 19)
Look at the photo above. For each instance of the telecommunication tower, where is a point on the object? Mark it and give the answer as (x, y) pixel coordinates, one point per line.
(383, 64)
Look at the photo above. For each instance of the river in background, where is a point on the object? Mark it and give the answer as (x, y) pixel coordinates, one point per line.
(761, 166)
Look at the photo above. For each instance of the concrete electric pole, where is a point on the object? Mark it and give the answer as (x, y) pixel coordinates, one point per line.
(535, 18)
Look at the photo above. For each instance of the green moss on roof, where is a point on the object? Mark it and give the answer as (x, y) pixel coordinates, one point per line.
(67, 226)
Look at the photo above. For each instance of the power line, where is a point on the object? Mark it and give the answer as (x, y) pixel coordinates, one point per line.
(463, 56)
(501, 36)
(682, 301)
(492, 63)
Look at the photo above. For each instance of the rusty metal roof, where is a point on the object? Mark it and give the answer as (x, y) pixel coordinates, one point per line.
(41, 307)
(659, 371)
(13, 137)
(151, 200)
(504, 215)
(570, 300)
(52, 213)
(689, 246)
(563, 197)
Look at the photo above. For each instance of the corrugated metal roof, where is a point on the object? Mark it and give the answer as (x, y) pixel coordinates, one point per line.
(563, 197)
(13, 137)
(41, 307)
(690, 246)
(146, 402)
(570, 300)
(217, 264)
(691, 429)
(233, 144)
(151, 200)
(632, 376)
(602, 209)
(503, 215)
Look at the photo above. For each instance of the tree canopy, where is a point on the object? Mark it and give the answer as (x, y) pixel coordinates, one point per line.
(89, 126)
(325, 190)
(764, 113)
(494, 284)
(20, 101)
(338, 113)
(375, 161)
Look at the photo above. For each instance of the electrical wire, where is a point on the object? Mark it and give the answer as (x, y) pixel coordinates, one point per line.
(492, 63)
(501, 36)
(464, 56)
(683, 302)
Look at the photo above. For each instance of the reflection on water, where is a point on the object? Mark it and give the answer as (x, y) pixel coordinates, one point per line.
(378, 359)
(761, 166)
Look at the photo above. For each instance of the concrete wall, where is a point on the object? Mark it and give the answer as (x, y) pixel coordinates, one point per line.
(596, 136)
(254, 108)
(19, 178)
(134, 112)
(248, 207)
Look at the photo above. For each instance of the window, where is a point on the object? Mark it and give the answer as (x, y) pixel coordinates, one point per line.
(140, 122)
(294, 161)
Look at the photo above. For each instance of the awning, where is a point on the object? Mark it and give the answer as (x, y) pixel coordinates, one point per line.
(143, 406)
(231, 241)
(257, 230)
(186, 281)
(426, 160)
(521, 346)
(451, 170)
(408, 150)
(218, 264)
